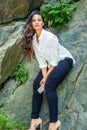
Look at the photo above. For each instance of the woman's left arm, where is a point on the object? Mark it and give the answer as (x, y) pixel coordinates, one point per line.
(53, 54)
(49, 70)
(46, 73)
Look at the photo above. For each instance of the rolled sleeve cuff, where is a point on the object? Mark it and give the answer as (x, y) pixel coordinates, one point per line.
(42, 65)
(54, 63)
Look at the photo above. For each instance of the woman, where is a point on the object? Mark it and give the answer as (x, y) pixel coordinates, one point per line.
(55, 62)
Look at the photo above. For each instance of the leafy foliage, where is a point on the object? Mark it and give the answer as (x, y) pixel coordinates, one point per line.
(59, 14)
(21, 73)
(7, 123)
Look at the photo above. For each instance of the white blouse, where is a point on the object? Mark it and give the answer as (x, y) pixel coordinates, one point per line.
(49, 51)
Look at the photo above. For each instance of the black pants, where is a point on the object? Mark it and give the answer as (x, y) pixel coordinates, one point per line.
(52, 82)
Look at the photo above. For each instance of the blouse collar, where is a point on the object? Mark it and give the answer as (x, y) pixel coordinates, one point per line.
(41, 35)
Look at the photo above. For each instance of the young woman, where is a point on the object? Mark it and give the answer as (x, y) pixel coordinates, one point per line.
(54, 60)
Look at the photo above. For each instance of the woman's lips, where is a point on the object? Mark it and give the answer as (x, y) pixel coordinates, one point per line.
(36, 25)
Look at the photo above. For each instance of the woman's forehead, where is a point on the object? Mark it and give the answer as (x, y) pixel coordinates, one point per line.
(36, 16)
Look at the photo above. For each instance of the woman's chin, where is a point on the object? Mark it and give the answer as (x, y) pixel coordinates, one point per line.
(37, 29)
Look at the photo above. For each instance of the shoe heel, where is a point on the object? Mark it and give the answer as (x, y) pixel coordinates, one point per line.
(39, 127)
(59, 128)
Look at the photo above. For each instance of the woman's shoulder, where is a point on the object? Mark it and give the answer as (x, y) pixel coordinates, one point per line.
(49, 34)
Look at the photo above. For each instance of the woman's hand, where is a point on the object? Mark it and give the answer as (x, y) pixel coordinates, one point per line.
(46, 73)
(43, 81)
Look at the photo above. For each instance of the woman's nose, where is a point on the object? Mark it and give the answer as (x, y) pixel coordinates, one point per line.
(36, 21)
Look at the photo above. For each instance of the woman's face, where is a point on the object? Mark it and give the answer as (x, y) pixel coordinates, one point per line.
(37, 22)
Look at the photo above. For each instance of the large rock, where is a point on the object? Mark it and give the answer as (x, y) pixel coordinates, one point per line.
(16, 9)
(72, 92)
(10, 49)
(73, 99)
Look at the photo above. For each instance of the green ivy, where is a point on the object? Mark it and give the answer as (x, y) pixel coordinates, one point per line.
(7, 123)
(59, 14)
(21, 73)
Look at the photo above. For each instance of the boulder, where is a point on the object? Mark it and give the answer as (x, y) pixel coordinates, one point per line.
(10, 49)
(72, 92)
(16, 9)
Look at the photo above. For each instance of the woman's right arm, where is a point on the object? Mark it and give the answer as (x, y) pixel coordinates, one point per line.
(44, 73)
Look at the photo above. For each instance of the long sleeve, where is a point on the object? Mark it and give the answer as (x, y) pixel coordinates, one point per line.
(42, 62)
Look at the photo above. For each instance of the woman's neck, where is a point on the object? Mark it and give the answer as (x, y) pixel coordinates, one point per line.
(38, 33)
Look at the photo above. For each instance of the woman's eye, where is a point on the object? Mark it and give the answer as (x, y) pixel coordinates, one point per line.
(39, 19)
(34, 20)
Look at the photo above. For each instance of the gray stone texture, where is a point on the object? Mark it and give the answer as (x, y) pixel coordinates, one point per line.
(15, 99)
(10, 50)
(16, 9)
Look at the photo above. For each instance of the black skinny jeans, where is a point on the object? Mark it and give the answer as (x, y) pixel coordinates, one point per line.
(52, 82)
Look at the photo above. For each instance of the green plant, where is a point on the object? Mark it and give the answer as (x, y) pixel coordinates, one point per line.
(21, 73)
(59, 14)
(7, 123)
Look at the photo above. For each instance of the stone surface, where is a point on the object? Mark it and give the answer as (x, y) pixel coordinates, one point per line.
(16, 9)
(10, 50)
(72, 92)
(50, 1)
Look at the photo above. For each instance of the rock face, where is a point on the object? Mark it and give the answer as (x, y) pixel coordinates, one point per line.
(72, 92)
(10, 50)
(16, 9)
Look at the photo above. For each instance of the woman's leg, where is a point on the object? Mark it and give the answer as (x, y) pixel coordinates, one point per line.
(37, 98)
(53, 80)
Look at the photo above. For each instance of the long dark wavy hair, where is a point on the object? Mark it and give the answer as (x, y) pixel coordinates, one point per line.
(28, 33)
